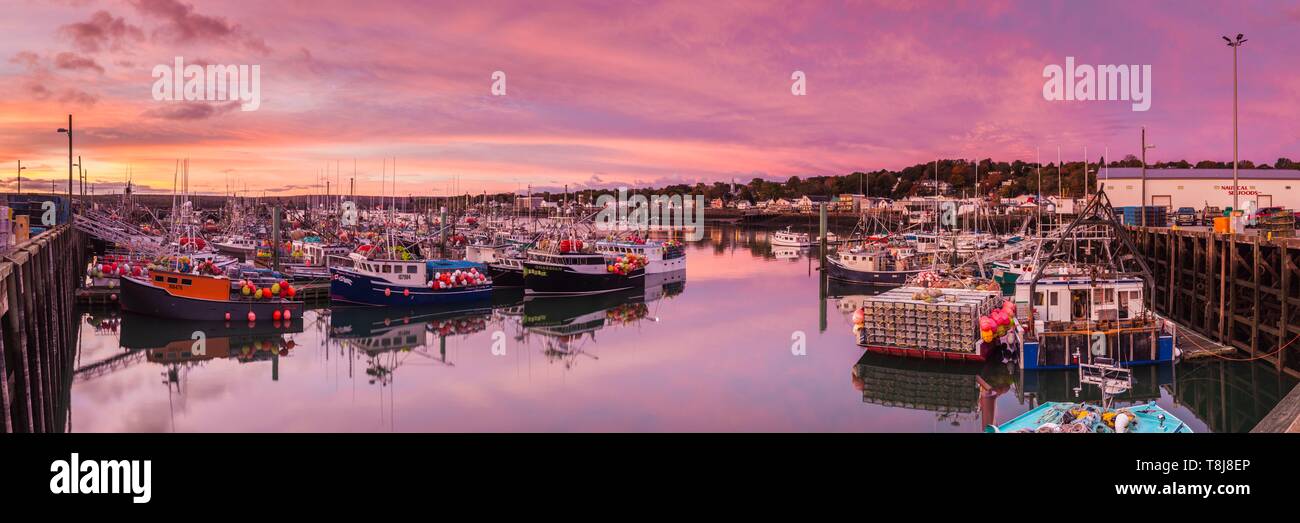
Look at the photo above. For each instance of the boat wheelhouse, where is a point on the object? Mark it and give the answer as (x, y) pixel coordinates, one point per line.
(361, 280)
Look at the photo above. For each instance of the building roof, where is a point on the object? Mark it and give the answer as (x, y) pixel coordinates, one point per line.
(1199, 174)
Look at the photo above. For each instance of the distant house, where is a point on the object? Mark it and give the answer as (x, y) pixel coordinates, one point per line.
(927, 187)
(717, 203)
(809, 203)
(743, 205)
(778, 205)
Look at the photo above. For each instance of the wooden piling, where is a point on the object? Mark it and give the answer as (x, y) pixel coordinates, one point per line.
(37, 325)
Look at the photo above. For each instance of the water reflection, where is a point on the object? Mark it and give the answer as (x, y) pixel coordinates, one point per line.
(716, 358)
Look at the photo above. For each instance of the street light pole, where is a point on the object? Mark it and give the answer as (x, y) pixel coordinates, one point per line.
(1234, 44)
(20, 176)
(69, 131)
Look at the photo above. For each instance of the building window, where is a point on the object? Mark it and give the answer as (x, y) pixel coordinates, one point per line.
(1055, 297)
(1180, 187)
(410, 269)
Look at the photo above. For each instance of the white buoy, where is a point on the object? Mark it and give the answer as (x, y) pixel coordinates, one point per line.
(1121, 423)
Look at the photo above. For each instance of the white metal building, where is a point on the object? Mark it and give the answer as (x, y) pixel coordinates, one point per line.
(1197, 188)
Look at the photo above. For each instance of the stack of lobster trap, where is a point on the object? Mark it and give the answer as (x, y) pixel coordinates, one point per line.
(929, 319)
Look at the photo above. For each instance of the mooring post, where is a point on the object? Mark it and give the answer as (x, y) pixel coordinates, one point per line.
(275, 237)
(822, 216)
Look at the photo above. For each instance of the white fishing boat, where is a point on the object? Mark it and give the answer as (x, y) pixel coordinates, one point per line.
(790, 238)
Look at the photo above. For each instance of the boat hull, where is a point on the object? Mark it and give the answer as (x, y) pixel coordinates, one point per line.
(144, 298)
(506, 276)
(545, 279)
(927, 354)
(352, 287)
(835, 270)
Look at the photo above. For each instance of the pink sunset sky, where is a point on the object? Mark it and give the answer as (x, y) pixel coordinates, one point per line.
(607, 93)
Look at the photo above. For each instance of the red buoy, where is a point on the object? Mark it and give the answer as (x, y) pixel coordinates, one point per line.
(251, 316)
(388, 292)
(287, 314)
(227, 316)
(406, 292)
(275, 315)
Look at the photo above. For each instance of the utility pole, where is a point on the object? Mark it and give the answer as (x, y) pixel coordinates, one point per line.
(20, 176)
(1143, 208)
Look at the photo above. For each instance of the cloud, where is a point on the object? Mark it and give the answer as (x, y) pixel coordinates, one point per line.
(102, 31)
(26, 59)
(74, 62)
(182, 24)
(77, 97)
(191, 111)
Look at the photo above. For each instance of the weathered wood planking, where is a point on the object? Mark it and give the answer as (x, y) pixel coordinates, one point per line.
(37, 325)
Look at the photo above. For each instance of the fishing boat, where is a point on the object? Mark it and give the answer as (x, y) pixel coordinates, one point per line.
(661, 256)
(1008, 272)
(790, 238)
(572, 267)
(948, 323)
(1055, 416)
(505, 264)
(1102, 417)
(236, 245)
(874, 264)
(188, 296)
(1086, 299)
(362, 280)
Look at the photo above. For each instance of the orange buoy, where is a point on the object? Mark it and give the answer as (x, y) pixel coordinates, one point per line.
(287, 314)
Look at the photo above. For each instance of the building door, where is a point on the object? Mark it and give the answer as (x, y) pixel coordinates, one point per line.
(1263, 200)
(1165, 201)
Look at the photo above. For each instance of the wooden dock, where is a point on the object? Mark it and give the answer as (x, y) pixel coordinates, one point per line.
(1239, 291)
(1285, 417)
(38, 330)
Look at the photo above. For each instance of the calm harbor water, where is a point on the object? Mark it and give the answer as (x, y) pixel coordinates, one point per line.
(715, 352)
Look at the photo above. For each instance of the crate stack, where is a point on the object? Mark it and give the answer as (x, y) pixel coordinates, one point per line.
(1279, 225)
(949, 322)
(1155, 214)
